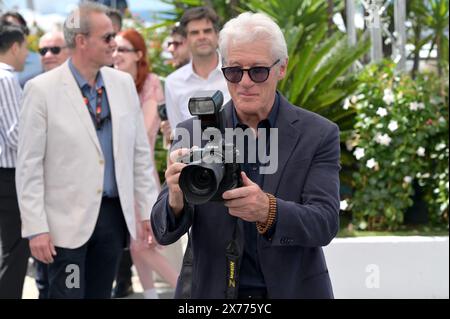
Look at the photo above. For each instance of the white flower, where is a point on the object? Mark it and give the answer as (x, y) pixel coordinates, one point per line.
(414, 106)
(383, 139)
(382, 111)
(441, 119)
(346, 104)
(359, 153)
(343, 205)
(388, 96)
(407, 179)
(440, 147)
(371, 163)
(435, 100)
(362, 225)
(393, 126)
(426, 175)
(421, 151)
(367, 120)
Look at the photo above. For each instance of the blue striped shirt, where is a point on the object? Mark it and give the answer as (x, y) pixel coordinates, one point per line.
(10, 102)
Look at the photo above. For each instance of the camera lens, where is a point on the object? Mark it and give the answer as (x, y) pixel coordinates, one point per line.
(203, 181)
(199, 182)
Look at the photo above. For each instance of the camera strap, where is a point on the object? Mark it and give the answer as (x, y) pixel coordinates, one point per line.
(233, 257)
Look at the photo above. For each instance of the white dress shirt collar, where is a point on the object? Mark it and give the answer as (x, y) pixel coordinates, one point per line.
(6, 67)
(189, 70)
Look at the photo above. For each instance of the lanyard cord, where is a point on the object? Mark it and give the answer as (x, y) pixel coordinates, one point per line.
(98, 108)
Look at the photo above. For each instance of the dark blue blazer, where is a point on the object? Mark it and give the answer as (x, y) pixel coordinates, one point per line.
(306, 186)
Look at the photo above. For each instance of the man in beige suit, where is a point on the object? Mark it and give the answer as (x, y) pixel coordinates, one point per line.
(83, 162)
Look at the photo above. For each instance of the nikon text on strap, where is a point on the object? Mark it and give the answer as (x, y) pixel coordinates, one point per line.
(233, 263)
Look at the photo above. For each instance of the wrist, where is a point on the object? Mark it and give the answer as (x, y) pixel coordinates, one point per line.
(263, 227)
(176, 207)
(176, 202)
(176, 210)
(264, 216)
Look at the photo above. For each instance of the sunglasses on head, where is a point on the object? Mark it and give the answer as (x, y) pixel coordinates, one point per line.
(257, 74)
(54, 50)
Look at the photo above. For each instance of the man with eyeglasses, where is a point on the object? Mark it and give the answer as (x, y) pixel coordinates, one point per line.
(178, 47)
(264, 240)
(53, 50)
(83, 162)
(181, 56)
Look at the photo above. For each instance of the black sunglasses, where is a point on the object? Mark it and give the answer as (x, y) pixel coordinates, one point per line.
(257, 74)
(175, 44)
(54, 50)
(108, 37)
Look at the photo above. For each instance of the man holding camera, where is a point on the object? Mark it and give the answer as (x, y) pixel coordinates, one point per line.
(263, 240)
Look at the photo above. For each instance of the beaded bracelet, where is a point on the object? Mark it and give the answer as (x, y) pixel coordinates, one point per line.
(264, 227)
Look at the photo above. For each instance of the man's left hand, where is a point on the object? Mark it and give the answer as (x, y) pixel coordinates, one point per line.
(146, 235)
(248, 202)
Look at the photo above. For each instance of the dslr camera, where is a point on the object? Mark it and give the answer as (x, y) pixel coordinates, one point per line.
(213, 169)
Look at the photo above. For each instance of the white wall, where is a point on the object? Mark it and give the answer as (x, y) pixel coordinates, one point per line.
(389, 267)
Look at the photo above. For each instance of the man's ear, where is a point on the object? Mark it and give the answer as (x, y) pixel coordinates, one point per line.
(15, 48)
(283, 69)
(80, 40)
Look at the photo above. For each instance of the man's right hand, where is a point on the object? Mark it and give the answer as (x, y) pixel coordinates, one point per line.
(172, 175)
(42, 248)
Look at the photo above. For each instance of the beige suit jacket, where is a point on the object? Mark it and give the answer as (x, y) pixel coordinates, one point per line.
(60, 164)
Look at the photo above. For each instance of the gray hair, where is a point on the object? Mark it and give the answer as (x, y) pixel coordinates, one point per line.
(250, 27)
(53, 35)
(78, 21)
